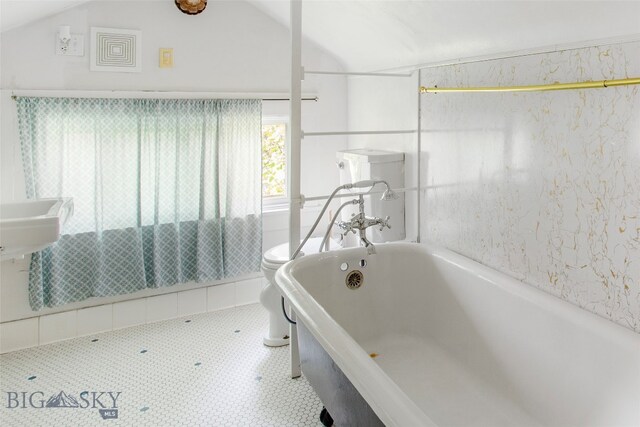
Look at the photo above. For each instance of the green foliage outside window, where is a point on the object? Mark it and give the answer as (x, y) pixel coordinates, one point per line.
(274, 156)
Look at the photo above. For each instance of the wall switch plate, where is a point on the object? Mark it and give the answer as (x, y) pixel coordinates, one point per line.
(166, 57)
(75, 47)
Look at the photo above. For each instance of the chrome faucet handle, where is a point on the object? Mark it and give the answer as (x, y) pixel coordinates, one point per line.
(346, 226)
(385, 223)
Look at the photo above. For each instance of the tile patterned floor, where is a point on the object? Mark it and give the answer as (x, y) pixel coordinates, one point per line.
(204, 370)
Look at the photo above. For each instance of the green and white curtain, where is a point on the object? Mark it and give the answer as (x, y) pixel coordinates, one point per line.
(165, 192)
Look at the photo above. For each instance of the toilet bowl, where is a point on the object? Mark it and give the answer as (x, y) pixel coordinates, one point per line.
(274, 258)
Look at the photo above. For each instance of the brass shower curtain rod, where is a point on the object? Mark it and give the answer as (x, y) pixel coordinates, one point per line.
(534, 88)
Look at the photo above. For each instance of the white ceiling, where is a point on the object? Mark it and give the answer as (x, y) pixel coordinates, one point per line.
(14, 13)
(372, 34)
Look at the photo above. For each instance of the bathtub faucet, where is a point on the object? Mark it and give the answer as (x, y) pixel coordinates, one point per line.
(387, 195)
(361, 222)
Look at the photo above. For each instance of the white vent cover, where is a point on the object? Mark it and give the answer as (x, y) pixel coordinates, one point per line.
(114, 49)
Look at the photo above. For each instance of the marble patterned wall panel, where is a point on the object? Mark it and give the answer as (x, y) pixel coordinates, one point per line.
(543, 186)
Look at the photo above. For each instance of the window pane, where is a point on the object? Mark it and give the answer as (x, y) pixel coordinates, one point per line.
(274, 160)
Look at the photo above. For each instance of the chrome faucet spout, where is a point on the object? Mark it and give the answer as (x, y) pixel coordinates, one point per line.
(371, 249)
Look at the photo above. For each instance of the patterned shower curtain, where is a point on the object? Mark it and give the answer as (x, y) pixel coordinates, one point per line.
(165, 192)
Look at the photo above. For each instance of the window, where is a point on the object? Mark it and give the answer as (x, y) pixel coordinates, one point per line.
(274, 161)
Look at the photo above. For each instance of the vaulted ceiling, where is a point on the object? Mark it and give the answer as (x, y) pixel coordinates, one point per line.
(14, 13)
(371, 34)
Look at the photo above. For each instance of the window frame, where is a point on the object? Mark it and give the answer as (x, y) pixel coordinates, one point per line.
(276, 203)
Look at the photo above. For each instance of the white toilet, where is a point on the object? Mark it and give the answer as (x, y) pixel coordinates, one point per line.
(354, 165)
(270, 297)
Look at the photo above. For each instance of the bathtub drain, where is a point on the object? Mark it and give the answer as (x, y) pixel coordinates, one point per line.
(354, 279)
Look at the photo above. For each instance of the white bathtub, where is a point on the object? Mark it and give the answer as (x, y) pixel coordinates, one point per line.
(459, 344)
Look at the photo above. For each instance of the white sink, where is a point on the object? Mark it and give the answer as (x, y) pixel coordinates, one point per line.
(32, 225)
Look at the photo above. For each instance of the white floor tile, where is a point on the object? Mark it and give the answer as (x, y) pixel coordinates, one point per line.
(162, 307)
(205, 370)
(18, 335)
(193, 301)
(221, 296)
(93, 320)
(57, 327)
(129, 313)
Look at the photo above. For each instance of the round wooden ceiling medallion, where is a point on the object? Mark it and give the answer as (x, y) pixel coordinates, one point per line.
(191, 7)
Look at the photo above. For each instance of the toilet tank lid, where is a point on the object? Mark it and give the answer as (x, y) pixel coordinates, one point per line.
(367, 155)
(280, 254)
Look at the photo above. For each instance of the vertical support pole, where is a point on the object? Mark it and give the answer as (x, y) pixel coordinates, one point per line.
(295, 120)
(419, 143)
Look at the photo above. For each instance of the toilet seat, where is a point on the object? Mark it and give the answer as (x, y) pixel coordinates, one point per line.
(279, 255)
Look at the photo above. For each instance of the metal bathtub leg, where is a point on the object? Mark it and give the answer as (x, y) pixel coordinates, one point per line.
(293, 348)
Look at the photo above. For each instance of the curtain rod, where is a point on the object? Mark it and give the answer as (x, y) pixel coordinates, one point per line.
(14, 97)
(534, 88)
(152, 94)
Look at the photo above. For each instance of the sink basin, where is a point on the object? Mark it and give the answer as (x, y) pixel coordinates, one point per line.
(32, 225)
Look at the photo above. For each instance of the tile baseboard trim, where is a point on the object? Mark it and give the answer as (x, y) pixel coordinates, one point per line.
(36, 331)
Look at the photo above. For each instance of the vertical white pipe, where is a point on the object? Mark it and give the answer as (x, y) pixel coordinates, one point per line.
(419, 143)
(295, 123)
(295, 119)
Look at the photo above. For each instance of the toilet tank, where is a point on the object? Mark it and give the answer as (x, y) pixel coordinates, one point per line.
(360, 164)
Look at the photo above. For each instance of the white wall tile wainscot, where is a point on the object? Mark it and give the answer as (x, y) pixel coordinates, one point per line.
(129, 313)
(92, 320)
(88, 321)
(19, 334)
(192, 302)
(56, 327)
(162, 307)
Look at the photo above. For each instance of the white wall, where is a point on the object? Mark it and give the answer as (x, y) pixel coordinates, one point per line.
(231, 47)
(541, 186)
